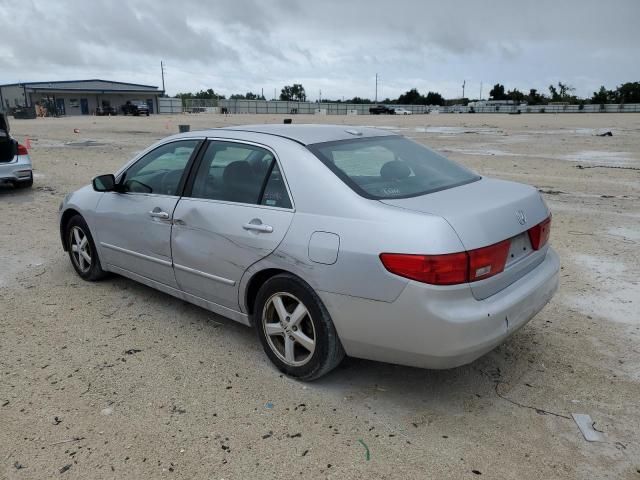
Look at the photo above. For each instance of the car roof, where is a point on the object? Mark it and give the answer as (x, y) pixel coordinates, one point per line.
(308, 134)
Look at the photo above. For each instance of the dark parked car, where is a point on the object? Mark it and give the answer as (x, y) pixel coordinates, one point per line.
(381, 110)
(135, 108)
(106, 110)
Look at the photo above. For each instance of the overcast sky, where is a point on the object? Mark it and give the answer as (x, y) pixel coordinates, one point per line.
(336, 46)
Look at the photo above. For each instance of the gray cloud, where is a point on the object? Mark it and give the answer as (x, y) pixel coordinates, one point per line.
(337, 46)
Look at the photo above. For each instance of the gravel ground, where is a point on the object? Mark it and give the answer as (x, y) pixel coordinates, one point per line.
(116, 380)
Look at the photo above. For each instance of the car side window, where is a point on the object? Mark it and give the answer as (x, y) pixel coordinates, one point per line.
(160, 170)
(275, 192)
(237, 172)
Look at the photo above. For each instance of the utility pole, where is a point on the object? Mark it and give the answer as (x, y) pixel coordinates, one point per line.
(320, 97)
(464, 82)
(162, 71)
(376, 88)
(480, 90)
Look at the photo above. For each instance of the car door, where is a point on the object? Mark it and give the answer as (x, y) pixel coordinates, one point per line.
(235, 211)
(133, 225)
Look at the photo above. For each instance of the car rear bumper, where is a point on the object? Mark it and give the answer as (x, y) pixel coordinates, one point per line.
(440, 327)
(18, 170)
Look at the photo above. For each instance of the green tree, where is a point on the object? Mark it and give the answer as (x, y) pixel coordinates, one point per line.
(534, 98)
(358, 100)
(412, 97)
(563, 93)
(601, 96)
(628, 92)
(515, 95)
(497, 92)
(433, 98)
(293, 92)
(208, 94)
(246, 96)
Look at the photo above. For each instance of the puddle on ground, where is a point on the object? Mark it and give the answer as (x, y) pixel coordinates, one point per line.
(458, 130)
(85, 143)
(601, 157)
(617, 295)
(627, 233)
(482, 152)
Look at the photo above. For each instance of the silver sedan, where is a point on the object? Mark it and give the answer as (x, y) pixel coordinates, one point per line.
(15, 163)
(328, 240)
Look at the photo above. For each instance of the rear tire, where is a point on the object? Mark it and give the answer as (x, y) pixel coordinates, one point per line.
(295, 328)
(82, 250)
(25, 183)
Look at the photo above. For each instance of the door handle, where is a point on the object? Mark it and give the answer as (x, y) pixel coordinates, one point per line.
(159, 214)
(258, 227)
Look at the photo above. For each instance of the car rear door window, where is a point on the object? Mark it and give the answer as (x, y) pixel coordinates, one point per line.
(240, 173)
(159, 171)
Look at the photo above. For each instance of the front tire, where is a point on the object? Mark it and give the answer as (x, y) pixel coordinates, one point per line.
(82, 250)
(295, 328)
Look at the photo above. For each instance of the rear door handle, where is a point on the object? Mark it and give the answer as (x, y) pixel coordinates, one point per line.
(258, 227)
(159, 214)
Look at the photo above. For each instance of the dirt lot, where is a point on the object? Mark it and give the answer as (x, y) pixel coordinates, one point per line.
(115, 380)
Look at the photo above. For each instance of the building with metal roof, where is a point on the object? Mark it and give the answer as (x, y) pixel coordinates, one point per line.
(77, 97)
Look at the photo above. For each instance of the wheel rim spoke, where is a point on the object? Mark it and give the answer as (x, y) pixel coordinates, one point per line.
(289, 346)
(279, 307)
(305, 341)
(76, 236)
(85, 255)
(298, 314)
(273, 329)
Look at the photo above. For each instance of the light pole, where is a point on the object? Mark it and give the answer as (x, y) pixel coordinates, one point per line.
(376, 88)
(162, 71)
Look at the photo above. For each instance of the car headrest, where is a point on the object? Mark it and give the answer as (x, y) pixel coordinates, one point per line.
(237, 172)
(395, 170)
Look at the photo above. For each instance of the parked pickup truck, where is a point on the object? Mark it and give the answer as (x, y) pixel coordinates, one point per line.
(135, 107)
(381, 110)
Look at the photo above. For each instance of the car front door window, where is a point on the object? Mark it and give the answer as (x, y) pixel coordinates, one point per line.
(236, 172)
(159, 171)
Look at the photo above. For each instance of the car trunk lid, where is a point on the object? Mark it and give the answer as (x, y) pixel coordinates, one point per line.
(484, 213)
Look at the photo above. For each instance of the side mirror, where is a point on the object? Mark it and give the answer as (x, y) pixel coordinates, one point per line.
(104, 183)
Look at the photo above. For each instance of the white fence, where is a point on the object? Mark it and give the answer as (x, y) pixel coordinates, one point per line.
(602, 108)
(286, 107)
(196, 105)
(169, 105)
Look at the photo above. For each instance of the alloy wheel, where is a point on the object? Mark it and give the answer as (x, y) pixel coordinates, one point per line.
(289, 329)
(80, 249)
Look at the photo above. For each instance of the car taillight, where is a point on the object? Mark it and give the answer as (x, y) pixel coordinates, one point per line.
(452, 268)
(539, 235)
(22, 150)
(488, 261)
(446, 269)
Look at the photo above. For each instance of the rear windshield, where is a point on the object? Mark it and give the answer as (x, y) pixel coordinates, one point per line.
(390, 167)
